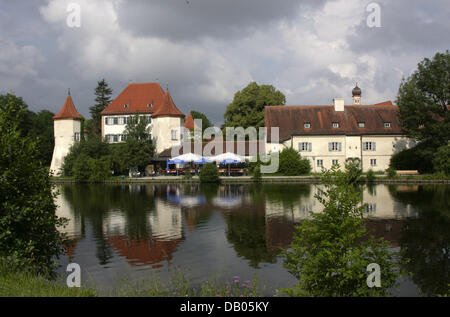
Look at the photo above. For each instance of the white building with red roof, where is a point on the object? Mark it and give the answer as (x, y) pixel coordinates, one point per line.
(149, 101)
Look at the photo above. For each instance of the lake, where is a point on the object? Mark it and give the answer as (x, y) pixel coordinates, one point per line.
(132, 232)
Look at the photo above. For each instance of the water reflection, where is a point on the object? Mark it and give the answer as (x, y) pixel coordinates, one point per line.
(150, 225)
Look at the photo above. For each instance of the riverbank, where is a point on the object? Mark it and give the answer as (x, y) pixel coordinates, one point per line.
(307, 179)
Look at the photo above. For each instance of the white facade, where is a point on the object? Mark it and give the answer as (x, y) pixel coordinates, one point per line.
(67, 132)
(374, 151)
(165, 131)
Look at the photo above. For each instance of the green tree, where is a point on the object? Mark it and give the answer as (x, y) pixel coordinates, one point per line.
(292, 164)
(42, 129)
(205, 121)
(28, 225)
(209, 174)
(103, 99)
(247, 108)
(423, 101)
(139, 149)
(441, 160)
(331, 251)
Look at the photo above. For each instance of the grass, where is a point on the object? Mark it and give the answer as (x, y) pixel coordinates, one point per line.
(15, 283)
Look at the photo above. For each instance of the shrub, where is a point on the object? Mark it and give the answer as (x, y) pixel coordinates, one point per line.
(292, 164)
(370, 176)
(257, 174)
(441, 160)
(331, 251)
(209, 174)
(28, 225)
(391, 173)
(353, 168)
(417, 158)
(187, 174)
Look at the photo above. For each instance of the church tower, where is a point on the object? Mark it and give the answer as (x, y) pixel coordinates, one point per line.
(67, 131)
(356, 92)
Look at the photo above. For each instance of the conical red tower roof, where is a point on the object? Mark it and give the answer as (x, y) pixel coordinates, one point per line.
(168, 108)
(68, 111)
(189, 123)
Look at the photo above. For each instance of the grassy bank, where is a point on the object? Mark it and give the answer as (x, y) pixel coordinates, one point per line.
(14, 283)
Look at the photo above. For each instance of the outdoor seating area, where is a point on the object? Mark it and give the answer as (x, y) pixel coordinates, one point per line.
(229, 164)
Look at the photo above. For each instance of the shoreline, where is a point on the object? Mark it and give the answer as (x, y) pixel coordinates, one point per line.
(248, 180)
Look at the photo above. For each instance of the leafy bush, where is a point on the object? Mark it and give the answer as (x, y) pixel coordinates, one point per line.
(441, 160)
(257, 174)
(209, 174)
(292, 164)
(353, 169)
(370, 176)
(28, 224)
(331, 251)
(417, 158)
(92, 170)
(187, 174)
(391, 173)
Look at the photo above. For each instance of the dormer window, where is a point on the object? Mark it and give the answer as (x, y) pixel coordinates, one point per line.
(335, 125)
(387, 124)
(149, 105)
(125, 106)
(361, 124)
(307, 125)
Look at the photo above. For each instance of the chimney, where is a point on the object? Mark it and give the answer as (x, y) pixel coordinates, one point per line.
(338, 104)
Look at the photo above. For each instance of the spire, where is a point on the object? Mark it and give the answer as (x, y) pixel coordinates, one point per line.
(189, 123)
(68, 111)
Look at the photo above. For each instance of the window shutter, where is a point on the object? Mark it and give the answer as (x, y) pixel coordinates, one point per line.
(330, 146)
(309, 147)
(374, 146)
(339, 146)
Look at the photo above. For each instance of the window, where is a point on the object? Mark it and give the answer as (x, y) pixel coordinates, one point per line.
(121, 120)
(361, 124)
(174, 134)
(387, 124)
(305, 147)
(307, 125)
(335, 162)
(335, 124)
(149, 105)
(335, 146)
(76, 136)
(125, 106)
(369, 146)
(106, 121)
(149, 119)
(371, 207)
(373, 162)
(123, 137)
(115, 138)
(319, 163)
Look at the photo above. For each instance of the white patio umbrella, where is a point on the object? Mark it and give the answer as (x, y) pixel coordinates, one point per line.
(188, 157)
(228, 158)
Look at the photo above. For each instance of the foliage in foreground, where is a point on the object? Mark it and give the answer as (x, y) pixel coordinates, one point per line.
(292, 164)
(331, 251)
(209, 174)
(28, 224)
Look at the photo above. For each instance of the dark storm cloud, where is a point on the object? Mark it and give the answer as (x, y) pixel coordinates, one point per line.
(413, 25)
(192, 19)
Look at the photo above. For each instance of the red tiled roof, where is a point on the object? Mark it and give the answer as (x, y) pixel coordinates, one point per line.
(189, 123)
(291, 119)
(68, 111)
(137, 97)
(168, 108)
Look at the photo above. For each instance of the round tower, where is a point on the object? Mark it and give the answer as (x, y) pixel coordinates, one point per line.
(167, 124)
(67, 131)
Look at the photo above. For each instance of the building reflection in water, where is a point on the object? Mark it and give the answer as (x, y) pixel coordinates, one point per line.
(145, 223)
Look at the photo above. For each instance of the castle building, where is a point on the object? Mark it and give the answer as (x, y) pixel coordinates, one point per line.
(151, 103)
(67, 131)
(332, 134)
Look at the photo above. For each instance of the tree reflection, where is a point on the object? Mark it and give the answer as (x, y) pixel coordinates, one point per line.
(426, 239)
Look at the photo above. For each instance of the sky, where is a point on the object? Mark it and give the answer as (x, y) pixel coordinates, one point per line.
(205, 51)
